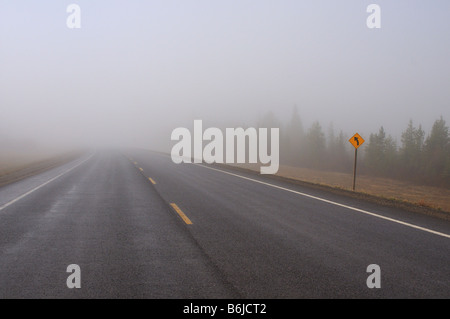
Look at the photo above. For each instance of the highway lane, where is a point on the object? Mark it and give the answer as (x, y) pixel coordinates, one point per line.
(102, 215)
(123, 218)
(274, 242)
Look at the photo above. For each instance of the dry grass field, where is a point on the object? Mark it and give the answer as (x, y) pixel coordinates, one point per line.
(11, 163)
(421, 195)
(16, 166)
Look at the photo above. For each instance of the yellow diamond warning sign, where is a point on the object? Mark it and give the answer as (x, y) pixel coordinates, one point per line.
(356, 140)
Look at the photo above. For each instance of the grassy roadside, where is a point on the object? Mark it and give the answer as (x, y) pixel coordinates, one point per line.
(423, 199)
(434, 201)
(15, 168)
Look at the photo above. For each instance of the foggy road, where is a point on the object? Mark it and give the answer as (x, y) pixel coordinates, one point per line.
(140, 226)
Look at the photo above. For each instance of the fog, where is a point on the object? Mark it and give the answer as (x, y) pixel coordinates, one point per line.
(136, 70)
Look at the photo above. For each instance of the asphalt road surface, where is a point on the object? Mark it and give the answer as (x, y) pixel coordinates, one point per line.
(140, 226)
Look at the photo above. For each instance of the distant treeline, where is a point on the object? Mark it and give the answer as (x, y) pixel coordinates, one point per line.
(421, 157)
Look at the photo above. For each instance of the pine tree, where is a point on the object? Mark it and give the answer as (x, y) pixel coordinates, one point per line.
(437, 153)
(381, 153)
(295, 136)
(337, 158)
(411, 151)
(315, 154)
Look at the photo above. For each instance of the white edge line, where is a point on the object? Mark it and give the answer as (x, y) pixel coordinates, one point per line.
(42, 185)
(331, 202)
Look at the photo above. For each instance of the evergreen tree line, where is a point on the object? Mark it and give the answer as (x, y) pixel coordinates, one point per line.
(419, 157)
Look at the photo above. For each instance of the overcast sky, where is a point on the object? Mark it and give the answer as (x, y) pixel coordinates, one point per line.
(137, 69)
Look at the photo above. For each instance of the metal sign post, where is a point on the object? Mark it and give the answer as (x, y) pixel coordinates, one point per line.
(356, 140)
(354, 169)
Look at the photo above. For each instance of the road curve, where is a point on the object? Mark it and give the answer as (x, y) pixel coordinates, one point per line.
(140, 226)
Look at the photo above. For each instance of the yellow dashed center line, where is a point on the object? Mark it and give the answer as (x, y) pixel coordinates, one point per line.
(174, 206)
(180, 212)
